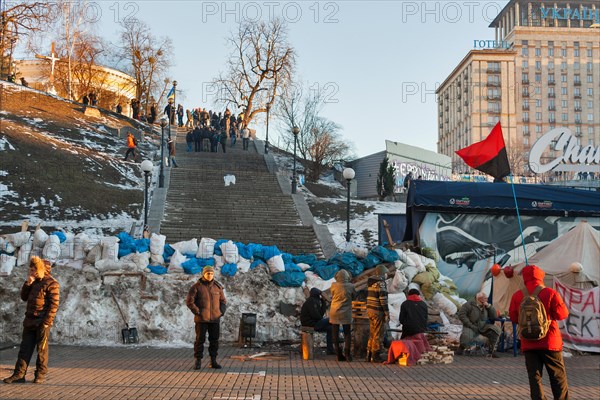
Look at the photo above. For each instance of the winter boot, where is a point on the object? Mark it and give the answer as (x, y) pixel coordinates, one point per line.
(460, 351)
(376, 358)
(39, 379)
(340, 356)
(198, 363)
(214, 364)
(348, 349)
(14, 378)
(368, 357)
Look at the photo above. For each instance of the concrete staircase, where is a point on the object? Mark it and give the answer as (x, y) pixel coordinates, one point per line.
(254, 209)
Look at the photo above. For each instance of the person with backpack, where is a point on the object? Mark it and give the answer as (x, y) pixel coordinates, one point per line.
(541, 341)
(477, 317)
(131, 145)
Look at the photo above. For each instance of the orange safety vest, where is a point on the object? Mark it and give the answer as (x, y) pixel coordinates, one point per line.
(130, 142)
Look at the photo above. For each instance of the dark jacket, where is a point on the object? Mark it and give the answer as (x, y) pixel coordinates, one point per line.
(42, 297)
(313, 309)
(553, 303)
(204, 300)
(413, 316)
(342, 294)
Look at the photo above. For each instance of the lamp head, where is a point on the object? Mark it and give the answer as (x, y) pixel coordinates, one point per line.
(163, 122)
(147, 166)
(348, 174)
(295, 130)
(174, 83)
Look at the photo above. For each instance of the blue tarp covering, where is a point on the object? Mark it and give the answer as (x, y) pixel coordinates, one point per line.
(371, 260)
(291, 267)
(270, 251)
(244, 251)
(324, 270)
(349, 262)
(168, 252)
(287, 257)
(288, 278)
(191, 266)
(384, 254)
(257, 250)
(309, 259)
(157, 269)
(229, 269)
(126, 244)
(142, 245)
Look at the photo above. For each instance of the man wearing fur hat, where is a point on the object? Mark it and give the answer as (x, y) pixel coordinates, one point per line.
(546, 351)
(42, 294)
(207, 302)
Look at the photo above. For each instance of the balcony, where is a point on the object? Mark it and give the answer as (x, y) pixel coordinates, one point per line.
(525, 133)
(525, 94)
(552, 120)
(525, 106)
(578, 134)
(526, 120)
(466, 103)
(459, 83)
(525, 81)
(459, 96)
(578, 121)
(493, 111)
(552, 95)
(494, 97)
(577, 95)
(577, 83)
(492, 84)
(577, 108)
(551, 108)
(552, 82)
(493, 70)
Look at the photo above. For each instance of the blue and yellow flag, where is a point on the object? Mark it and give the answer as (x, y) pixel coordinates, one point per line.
(171, 95)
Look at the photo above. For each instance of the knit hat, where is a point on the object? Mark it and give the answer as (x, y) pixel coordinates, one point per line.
(208, 268)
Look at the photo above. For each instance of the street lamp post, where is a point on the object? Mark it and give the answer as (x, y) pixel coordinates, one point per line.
(161, 176)
(267, 141)
(146, 168)
(295, 131)
(174, 108)
(348, 176)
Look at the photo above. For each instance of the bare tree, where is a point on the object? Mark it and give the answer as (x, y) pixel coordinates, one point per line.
(259, 68)
(325, 145)
(16, 21)
(148, 57)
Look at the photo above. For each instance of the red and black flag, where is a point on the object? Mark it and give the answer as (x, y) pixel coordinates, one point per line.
(489, 155)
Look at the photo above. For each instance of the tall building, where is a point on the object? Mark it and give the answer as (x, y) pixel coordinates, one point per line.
(541, 72)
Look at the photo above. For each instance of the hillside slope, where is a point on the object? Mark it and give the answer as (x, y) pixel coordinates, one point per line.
(60, 167)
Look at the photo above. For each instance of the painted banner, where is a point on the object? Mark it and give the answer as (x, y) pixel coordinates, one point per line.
(581, 330)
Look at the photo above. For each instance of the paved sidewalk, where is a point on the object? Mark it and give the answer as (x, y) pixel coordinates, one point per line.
(139, 372)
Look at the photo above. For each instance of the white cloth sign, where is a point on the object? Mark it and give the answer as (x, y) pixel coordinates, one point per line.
(581, 329)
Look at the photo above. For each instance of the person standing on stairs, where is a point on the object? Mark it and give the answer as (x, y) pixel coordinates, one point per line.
(171, 147)
(207, 302)
(340, 313)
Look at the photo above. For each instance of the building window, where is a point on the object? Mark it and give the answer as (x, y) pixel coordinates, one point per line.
(590, 117)
(538, 129)
(538, 116)
(538, 77)
(578, 129)
(590, 130)
(576, 53)
(590, 52)
(577, 91)
(524, 51)
(576, 65)
(565, 116)
(565, 104)
(538, 103)
(550, 78)
(538, 52)
(551, 91)
(525, 64)
(563, 52)
(590, 92)
(550, 51)
(590, 78)
(563, 78)
(525, 78)
(590, 104)
(590, 66)
(538, 65)
(563, 90)
(563, 65)
(526, 129)
(551, 65)
(526, 141)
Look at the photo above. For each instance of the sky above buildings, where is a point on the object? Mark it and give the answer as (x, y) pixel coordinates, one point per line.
(378, 63)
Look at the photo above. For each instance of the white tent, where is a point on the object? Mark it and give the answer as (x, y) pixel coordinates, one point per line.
(581, 244)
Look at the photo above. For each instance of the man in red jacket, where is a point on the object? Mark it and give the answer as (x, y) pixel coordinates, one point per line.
(548, 350)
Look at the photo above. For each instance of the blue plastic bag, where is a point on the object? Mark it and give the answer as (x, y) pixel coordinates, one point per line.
(191, 266)
(288, 278)
(287, 258)
(256, 250)
(218, 244)
(291, 267)
(256, 263)
(349, 262)
(168, 252)
(229, 269)
(157, 269)
(142, 245)
(126, 244)
(244, 251)
(324, 270)
(370, 261)
(61, 236)
(309, 259)
(270, 251)
(384, 254)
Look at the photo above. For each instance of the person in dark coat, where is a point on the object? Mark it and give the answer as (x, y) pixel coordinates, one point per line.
(170, 113)
(85, 100)
(197, 136)
(189, 139)
(413, 314)
(311, 314)
(119, 108)
(548, 350)
(207, 302)
(153, 114)
(180, 115)
(42, 294)
(342, 294)
(171, 148)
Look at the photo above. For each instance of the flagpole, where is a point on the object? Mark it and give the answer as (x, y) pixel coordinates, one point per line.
(512, 184)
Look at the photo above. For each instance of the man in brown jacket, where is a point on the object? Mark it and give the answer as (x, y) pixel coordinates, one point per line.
(41, 292)
(207, 302)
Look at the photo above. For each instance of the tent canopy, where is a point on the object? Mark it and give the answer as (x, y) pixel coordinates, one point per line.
(581, 244)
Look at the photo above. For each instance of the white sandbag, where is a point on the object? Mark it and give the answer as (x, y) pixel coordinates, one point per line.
(108, 264)
(39, 238)
(458, 299)
(243, 265)
(403, 257)
(94, 254)
(395, 300)
(18, 239)
(7, 263)
(206, 248)
(303, 266)
(314, 280)
(8, 247)
(230, 252)
(218, 261)
(410, 273)
(358, 251)
(444, 304)
(416, 258)
(176, 259)
(90, 273)
(414, 285)
(276, 264)
(24, 253)
(187, 247)
(51, 250)
(156, 259)
(399, 283)
(157, 244)
(66, 247)
(89, 245)
(69, 263)
(400, 265)
(110, 248)
(141, 260)
(79, 244)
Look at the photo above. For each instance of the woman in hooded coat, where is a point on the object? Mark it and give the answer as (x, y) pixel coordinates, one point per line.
(340, 313)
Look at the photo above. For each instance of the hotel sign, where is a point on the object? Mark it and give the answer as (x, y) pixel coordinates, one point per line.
(570, 13)
(574, 158)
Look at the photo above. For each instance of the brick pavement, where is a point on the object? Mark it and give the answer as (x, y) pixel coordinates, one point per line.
(139, 372)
